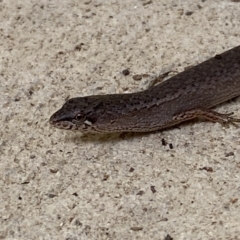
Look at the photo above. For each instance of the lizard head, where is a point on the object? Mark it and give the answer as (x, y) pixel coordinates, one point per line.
(78, 114)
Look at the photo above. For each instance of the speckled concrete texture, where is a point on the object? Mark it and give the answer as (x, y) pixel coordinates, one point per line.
(182, 183)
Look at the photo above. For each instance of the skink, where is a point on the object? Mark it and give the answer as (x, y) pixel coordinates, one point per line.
(187, 95)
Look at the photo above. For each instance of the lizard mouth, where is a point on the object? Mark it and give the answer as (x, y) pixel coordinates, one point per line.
(62, 122)
(64, 125)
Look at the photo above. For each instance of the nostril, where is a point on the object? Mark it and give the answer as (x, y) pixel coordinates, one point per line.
(54, 118)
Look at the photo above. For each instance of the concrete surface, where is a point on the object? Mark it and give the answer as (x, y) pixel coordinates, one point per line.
(59, 185)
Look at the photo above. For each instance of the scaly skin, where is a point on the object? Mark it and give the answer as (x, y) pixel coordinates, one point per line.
(185, 96)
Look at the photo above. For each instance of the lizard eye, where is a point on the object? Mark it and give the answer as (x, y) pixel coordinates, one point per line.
(79, 117)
